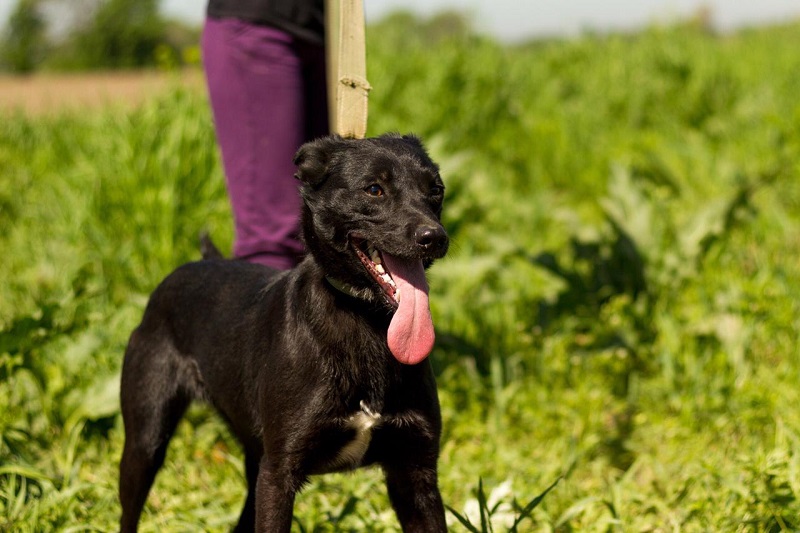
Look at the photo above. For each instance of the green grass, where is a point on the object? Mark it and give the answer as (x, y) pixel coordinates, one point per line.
(619, 312)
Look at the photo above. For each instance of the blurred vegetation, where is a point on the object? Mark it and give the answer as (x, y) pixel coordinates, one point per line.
(24, 43)
(79, 35)
(617, 319)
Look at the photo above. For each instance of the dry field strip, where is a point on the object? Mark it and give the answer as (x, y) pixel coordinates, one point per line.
(54, 93)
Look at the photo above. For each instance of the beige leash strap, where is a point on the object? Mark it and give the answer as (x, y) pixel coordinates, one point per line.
(348, 88)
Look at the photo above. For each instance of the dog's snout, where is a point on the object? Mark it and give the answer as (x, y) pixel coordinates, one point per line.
(431, 238)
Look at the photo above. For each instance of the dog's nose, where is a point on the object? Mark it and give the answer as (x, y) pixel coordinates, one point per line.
(431, 238)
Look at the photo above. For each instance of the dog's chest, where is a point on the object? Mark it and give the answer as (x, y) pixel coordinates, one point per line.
(362, 423)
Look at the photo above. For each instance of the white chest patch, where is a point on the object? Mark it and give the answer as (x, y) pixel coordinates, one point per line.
(363, 423)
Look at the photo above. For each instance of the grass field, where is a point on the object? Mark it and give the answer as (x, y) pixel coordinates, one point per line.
(618, 314)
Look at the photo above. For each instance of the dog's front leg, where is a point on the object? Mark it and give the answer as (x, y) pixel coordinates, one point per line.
(415, 496)
(275, 494)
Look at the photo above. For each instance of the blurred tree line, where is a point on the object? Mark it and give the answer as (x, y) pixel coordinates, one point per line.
(65, 35)
(78, 35)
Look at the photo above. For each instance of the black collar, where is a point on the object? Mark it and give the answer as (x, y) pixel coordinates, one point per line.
(344, 288)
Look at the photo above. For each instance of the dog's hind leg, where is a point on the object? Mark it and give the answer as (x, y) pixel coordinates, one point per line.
(154, 396)
(252, 458)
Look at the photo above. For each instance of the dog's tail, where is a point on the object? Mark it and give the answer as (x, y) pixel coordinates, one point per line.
(208, 249)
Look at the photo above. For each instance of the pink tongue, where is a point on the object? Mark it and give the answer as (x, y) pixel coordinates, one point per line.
(410, 334)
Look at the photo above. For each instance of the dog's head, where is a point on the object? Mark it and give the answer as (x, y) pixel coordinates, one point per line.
(371, 216)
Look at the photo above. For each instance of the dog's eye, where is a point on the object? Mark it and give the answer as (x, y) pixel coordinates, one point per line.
(437, 191)
(374, 190)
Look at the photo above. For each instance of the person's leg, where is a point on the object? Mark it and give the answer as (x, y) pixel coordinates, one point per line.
(316, 93)
(255, 84)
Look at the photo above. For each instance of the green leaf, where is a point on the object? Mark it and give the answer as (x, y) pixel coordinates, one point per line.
(464, 520)
(528, 509)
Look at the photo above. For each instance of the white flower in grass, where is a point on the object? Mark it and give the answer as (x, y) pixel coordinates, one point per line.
(499, 508)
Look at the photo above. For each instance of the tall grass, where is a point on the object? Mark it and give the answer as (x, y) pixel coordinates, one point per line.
(619, 309)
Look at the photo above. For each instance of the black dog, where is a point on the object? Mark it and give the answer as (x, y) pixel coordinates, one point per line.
(318, 369)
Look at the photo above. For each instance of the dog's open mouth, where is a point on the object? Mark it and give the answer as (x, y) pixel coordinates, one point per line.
(410, 336)
(373, 261)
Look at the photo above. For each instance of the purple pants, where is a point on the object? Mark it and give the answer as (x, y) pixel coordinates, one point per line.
(268, 96)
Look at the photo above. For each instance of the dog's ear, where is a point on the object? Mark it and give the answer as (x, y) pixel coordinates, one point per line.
(413, 139)
(417, 144)
(313, 159)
